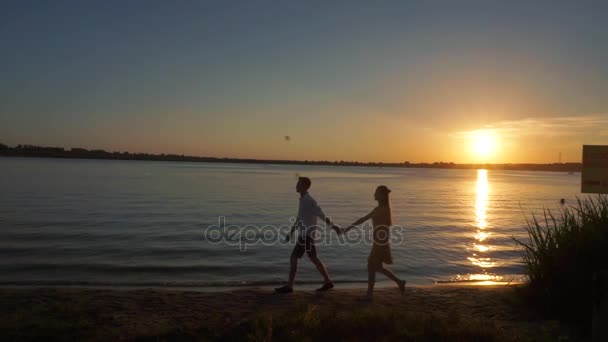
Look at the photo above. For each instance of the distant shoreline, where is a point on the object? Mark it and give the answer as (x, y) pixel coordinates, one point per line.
(80, 153)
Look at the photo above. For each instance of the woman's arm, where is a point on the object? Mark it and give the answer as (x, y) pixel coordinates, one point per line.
(359, 221)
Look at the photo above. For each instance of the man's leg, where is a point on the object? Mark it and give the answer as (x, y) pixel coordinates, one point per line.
(321, 268)
(311, 250)
(293, 269)
(297, 253)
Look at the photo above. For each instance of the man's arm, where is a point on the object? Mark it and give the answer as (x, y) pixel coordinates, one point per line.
(333, 226)
(289, 236)
(291, 231)
(320, 214)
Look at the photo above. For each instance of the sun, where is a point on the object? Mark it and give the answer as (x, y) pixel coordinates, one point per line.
(483, 143)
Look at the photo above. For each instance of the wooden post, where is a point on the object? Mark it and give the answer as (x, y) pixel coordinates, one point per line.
(600, 307)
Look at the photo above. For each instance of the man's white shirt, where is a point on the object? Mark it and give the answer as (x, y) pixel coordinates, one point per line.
(308, 212)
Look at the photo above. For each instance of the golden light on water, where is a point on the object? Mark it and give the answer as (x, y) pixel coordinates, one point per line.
(485, 277)
(482, 262)
(480, 249)
(481, 236)
(481, 202)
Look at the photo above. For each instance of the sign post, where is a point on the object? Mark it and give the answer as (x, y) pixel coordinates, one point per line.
(594, 177)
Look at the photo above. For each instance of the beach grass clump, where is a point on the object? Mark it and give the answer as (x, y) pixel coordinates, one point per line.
(561, 256)
(365, 324)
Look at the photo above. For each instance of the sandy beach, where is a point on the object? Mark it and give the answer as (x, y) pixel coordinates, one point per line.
(174, 314)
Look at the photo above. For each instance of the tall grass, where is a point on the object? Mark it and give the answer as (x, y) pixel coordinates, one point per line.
(562, 254)
(368, 324)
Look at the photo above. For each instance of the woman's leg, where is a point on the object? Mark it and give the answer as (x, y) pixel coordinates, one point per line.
(371, 278)
(389, 274)
(392, 276)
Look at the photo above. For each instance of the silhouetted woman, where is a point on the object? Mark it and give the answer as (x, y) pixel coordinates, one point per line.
(381, 249)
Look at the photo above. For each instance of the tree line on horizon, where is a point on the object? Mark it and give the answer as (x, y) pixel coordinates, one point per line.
(82, 153)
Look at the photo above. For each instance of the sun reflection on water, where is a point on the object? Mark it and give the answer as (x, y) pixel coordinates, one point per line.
(481, 202)
(480, 248)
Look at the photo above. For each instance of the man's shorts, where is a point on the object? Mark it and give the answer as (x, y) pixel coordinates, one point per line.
(304, 245)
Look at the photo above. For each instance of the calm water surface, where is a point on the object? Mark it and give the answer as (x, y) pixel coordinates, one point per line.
(131, 222)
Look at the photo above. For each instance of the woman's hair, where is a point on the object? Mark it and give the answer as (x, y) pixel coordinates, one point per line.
(383, 192)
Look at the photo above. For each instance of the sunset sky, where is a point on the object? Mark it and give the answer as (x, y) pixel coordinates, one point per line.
(385, 81)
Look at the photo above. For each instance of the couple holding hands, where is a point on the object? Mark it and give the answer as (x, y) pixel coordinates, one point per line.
(309, 211)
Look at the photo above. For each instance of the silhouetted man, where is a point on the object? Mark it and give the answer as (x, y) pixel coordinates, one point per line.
(308, 212)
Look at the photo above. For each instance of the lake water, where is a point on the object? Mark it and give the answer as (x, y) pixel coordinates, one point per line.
(147, 223)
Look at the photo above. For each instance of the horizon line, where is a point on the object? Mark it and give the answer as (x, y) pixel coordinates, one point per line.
(83, 153)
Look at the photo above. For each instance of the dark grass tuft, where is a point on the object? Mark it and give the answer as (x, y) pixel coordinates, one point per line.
(561, 256)
(369, 324)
